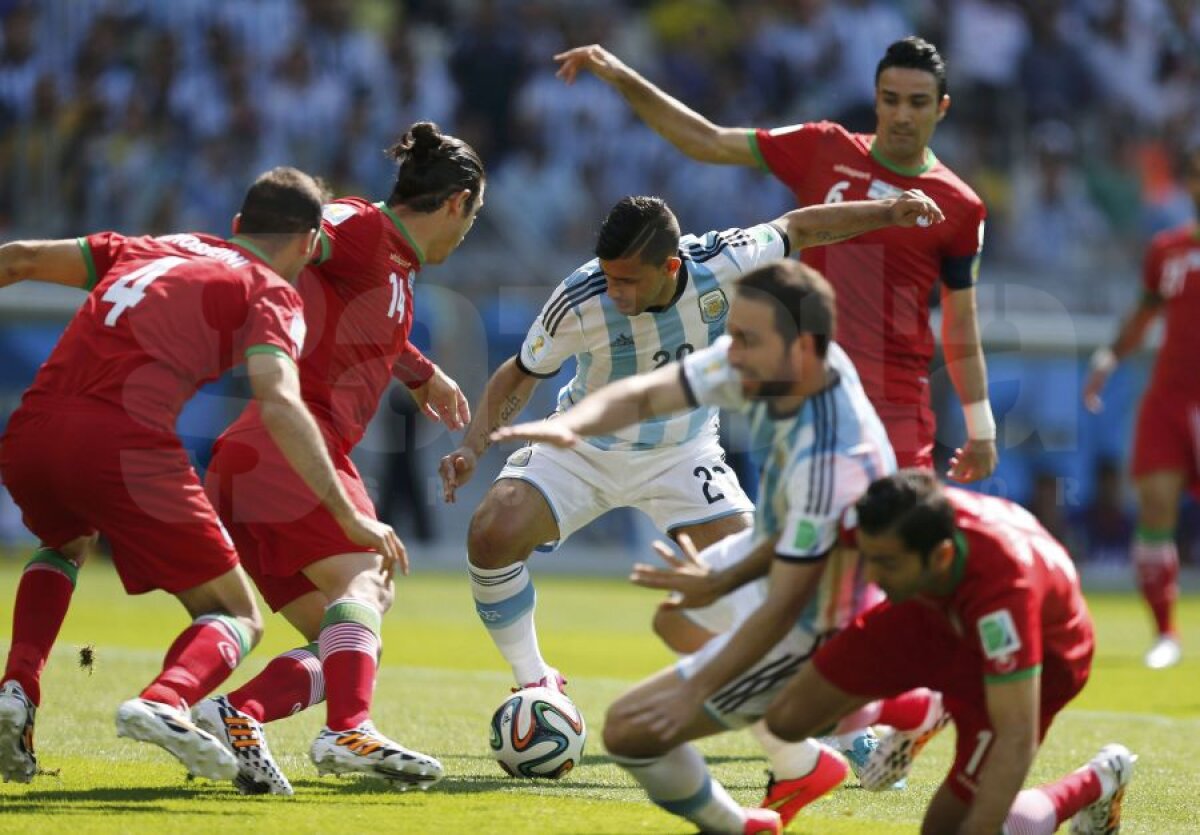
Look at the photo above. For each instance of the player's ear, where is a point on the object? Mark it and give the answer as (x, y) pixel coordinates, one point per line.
(942, 107)
(673, 264)
(237, 222)
(943, 555)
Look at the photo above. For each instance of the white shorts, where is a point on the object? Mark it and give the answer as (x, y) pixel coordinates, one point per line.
(676, 486)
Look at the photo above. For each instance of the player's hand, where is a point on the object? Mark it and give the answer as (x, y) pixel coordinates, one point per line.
(1097, 379)
(374, 535)
(442, 400)
(665, 712)
(693, 582)
(915, 208)
(594, 58)
(456, 470)
(974, 461)
(538, 431)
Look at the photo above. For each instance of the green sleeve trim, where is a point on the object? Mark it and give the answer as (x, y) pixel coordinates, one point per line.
(88, 259)
(53, 559)
(326, 251)
(759, 159)
(270, 349)
(1028, 672)
(353, 611)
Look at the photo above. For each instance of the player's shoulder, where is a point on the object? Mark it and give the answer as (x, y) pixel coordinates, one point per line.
(582, 287)
(338, 211)
(953, 186)
(806, 130)
(1187, 234)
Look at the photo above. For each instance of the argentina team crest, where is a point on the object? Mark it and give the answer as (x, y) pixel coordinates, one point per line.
(713, 306)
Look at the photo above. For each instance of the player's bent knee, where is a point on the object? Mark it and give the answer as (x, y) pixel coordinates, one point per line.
(78, 549)
(781, 721)
(494, 540)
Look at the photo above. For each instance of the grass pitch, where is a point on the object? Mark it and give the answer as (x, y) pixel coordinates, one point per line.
(438, 685)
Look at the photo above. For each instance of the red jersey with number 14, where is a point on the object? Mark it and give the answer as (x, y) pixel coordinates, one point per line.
(883, 278)
(165, 316)
(358, 302)
(1172, 273)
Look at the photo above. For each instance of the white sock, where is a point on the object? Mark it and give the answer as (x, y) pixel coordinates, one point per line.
(1032, 813)
(679, 782)
(505, 600)
(789, 760)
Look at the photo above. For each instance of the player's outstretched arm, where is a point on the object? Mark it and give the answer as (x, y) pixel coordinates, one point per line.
(275, 383)
(961, 345)
(790, 588)
(1013, 710)
(1129, 338)
(829, 223)
(670, 118)
(55, 262)
(505, 396)
(615, 406)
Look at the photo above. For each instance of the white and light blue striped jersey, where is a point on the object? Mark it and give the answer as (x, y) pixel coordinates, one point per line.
(813, 466)
(580, 320)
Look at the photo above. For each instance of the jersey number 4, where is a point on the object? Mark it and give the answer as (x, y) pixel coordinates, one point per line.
(128, 290)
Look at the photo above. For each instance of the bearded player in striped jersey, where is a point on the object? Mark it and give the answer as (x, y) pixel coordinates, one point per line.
(649, 298)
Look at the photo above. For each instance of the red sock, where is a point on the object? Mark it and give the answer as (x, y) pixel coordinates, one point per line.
(43, 597)
(201, 658)
(906, 711)
(289, 684)
(1156, 559)
(349, 658)
(1073, 792)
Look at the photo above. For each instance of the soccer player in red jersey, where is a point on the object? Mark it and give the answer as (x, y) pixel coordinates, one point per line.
(1166, 445)
(883, 279)
(92, 448)
(358, 304)
(985, 607)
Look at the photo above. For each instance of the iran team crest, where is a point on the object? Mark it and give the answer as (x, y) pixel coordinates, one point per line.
(713, 306)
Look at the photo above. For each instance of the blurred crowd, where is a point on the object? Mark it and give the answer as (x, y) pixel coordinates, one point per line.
(150, 115)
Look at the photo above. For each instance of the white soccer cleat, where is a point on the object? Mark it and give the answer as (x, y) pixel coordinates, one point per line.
(171, 729)
(363, 750)
(1114, 766)
(1166, 652)
(258, 773)
(891, 761)
(17, 760)
(858, 754)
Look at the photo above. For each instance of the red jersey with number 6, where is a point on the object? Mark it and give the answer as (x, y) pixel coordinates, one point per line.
(883, 278)
(1172, 273)
(165, 316)
(358, 302)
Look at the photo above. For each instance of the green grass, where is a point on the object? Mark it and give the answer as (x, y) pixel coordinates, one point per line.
(439, 682)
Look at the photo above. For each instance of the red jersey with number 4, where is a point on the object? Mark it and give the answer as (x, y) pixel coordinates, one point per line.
(1017, 600)
(1172, 273)
(358, 304)
(883, 278)
(165, 316)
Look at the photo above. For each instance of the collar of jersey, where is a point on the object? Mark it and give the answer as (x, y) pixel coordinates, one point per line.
(252, 248)
(913, 171)
(681, 282)
(383, 207)
(959, 567)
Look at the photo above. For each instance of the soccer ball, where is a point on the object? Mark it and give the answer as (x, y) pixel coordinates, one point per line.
(538, 732)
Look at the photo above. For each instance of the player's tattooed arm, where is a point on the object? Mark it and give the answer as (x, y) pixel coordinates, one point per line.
(830, 223)
(56, 262)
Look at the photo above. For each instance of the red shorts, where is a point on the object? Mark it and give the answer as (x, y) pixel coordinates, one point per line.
(892, 649)
(1168, 436)
(278, 524)
(78, 468)
(910, 428)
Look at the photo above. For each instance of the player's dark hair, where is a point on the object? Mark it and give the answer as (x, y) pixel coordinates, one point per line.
(911, 506)
(914, 53)
(641, 226)
(282, 201)
(800, 297)
(433, 166)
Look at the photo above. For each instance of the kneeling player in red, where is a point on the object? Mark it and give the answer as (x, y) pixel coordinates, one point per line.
(358, 302)
(985, 607)
(92, 448)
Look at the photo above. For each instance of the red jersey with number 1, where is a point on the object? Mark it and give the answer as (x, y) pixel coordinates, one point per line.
(1172, 274)
(358, 303)
(165, 316)
(883, 278)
